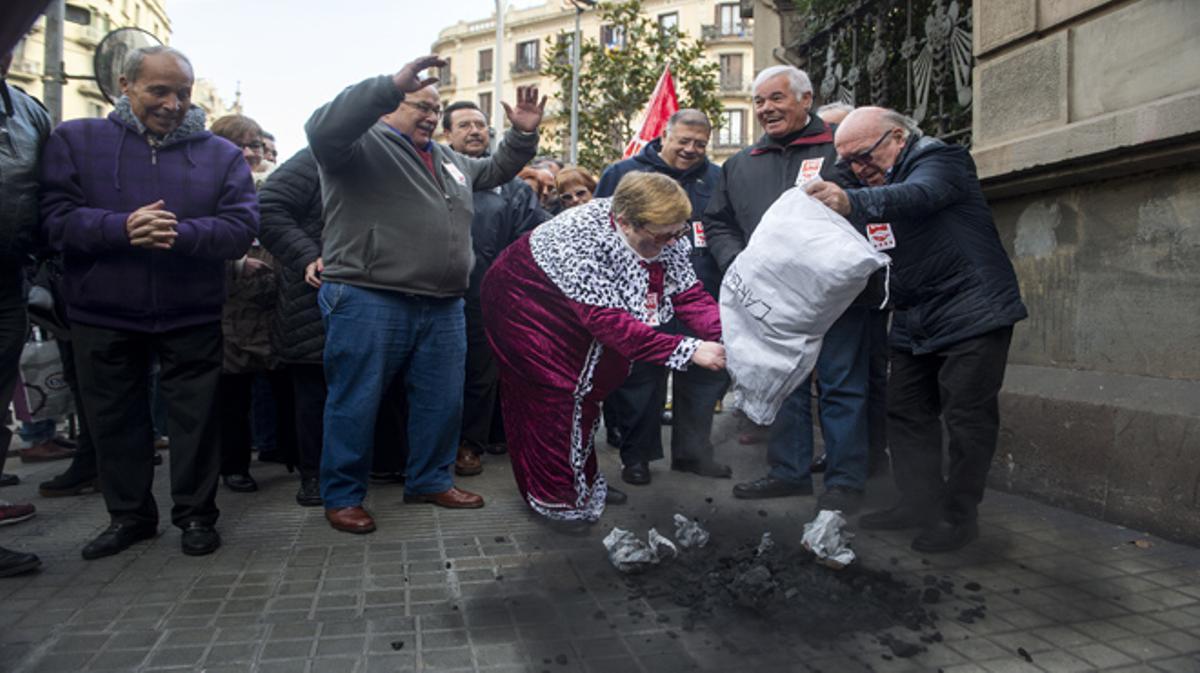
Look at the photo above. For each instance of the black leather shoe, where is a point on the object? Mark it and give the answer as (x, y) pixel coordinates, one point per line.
(497, 449)
(903, 515)
(704, 468)
(67, 484)
(309, 494)
(770, 487)
(636, 474)
(240, 483)
(9, 479)
(199, 539)
(117, 538)
(945, 536)
(840, 499)
(616, 497)
(15, 562)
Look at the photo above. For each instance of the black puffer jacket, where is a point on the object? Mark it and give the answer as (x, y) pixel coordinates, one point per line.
(290, 203)
(501, 215)
(951, 277)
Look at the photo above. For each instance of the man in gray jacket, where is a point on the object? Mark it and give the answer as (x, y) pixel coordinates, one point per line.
(396, 259)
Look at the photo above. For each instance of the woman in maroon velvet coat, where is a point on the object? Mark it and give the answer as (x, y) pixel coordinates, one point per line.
(567, 308)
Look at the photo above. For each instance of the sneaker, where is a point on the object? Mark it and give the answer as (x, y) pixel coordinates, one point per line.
(770, 487)
(840, 499)
(945, 536)
(309, 494)
(10, 513)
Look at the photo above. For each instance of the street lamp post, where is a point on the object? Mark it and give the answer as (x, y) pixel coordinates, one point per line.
(497, 111)
(573, 153)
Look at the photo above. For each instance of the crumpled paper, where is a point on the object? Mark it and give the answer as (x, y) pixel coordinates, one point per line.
(630, 555)
(689, 533)
(824, 537)
(765, 544)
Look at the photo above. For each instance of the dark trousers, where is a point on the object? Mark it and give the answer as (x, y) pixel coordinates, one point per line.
(237, 409)
(14, 327)
(639, 404)
(114, 366)
(877, 378)
(482, 383)
(83, 463)
(391, 440)
(961, 384)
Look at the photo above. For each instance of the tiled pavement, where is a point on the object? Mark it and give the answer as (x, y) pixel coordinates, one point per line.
(493, 590)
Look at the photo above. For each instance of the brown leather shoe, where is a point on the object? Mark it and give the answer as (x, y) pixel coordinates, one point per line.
(350, 519)
(455, 498)
(45, 452)
(467, 464)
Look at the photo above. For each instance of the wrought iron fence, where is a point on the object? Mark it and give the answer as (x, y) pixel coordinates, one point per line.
(910, 55)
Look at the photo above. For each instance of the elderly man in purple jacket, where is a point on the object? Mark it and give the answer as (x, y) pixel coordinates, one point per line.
(145, 207)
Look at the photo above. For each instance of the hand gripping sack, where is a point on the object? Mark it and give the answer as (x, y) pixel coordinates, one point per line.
(802, 268)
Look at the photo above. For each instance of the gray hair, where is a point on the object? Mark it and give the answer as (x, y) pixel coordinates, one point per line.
(689, 117)
(132, 68)
(902, 122)
(835, 107)
(797, 79)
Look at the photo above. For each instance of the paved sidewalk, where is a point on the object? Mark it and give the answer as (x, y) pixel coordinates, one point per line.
(495, 590)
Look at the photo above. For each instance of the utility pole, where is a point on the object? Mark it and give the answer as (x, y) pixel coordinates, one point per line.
(573, 151)
(497, 111)
(52, 77)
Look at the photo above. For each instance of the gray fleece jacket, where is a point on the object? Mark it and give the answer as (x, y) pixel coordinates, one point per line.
(389, 223)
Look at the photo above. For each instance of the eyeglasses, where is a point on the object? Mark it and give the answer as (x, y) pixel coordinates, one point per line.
(670, 236)
(864, 158)
(426, 108)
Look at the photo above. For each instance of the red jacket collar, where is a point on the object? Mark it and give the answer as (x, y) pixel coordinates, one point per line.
(765, 145)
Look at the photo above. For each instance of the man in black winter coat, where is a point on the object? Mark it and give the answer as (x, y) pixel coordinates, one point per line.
(636, 407)
(502, 215)
(797, 147)
(956, 299)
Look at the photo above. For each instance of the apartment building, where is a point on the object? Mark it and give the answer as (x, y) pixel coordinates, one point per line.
(470, 48)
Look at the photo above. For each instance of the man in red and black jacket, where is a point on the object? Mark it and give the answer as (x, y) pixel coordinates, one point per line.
(796, 148)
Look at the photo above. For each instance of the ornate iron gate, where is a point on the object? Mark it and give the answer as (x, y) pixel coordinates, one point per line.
(910, 55)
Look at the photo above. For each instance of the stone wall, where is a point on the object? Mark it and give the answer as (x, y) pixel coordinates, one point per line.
(1087, 138)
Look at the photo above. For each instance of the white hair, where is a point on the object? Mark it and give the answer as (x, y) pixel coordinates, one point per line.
(797, 79)
(904, 123)
(835, 107)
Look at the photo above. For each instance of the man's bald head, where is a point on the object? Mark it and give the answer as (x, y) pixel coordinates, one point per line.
(870, 139)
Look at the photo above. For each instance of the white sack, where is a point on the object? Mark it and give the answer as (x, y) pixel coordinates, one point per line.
(802, 268)
(689, 533)
(824, 537)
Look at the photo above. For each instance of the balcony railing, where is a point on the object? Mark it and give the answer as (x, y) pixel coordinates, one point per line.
(25, 67)
(91, 35)
(713, 32)
(524, 67)
(446, 80)
(734, 85)
(485, 75)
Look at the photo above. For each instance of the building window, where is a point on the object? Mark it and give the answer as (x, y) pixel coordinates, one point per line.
(731, 72)
(564, 48)
(485, 65)
(729, 18)
(527, 57)
(527, 92)
(668, 22)
(612, 37)
(732, 132)
(485, 103)
(444, 75)
(78, 15)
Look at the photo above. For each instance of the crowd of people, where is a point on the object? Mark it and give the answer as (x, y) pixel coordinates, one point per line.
(391, 308)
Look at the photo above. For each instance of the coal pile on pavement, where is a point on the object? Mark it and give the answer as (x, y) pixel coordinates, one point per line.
(788, 590)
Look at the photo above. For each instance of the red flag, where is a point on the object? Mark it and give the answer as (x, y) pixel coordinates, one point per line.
(662, 105)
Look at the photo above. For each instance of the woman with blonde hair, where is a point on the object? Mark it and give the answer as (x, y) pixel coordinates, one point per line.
(575, 186)
(567, 308)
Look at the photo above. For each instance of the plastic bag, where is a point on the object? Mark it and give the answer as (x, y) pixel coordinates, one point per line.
(802, 268)
(689, 533)
(630, 555)
(824, 537)
(44, 394)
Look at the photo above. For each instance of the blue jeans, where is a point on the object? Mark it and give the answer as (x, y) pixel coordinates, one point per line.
(371, 338)
(842, 381)
(37, 432)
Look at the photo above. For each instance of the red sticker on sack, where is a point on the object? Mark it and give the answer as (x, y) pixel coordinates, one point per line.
(698, 239)
(881, 236)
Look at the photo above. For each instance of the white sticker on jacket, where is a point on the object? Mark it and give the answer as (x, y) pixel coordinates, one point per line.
(698, 238)
(881, 236)
(810, 172)
(455, 173)
(652, 309)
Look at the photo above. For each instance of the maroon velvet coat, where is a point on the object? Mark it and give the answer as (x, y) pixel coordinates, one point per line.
(567, 308)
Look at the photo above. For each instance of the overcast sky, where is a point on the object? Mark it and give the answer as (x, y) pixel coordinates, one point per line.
(293, 55)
